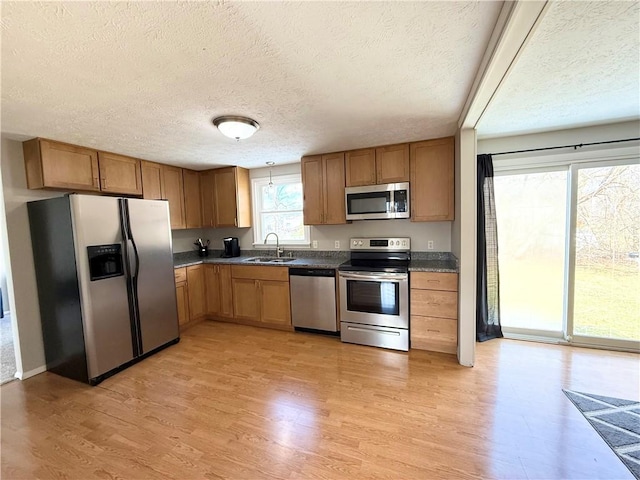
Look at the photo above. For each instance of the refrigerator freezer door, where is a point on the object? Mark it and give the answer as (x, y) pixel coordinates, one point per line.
(104, 302)
(156, 288)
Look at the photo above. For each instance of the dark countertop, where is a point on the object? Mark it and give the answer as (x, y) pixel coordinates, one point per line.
(421, 261)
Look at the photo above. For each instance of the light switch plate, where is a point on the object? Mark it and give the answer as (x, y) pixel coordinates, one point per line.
(314, 244)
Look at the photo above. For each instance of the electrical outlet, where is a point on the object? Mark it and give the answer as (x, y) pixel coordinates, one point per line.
(337, 244)
(314, 244)
(430, 245)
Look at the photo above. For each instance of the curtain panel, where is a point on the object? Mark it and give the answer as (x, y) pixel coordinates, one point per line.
(488, 278)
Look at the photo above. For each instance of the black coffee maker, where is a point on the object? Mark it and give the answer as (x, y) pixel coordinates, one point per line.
(231, 247)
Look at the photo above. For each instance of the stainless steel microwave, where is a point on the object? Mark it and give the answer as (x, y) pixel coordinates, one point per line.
(373, 202)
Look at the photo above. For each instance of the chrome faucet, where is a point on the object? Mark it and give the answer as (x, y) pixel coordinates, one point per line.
(279, 251)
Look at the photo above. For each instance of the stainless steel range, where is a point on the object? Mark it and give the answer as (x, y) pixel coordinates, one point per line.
(374, 293)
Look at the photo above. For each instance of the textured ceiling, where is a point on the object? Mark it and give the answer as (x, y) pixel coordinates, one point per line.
(581, 67)
(146, 78)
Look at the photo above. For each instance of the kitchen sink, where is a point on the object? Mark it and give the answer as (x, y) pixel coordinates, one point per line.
(269, 260)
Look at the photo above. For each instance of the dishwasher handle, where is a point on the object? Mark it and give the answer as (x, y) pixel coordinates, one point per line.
(312, 272)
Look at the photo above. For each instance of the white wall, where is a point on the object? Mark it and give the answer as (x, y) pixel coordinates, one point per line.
(21, 277)
(599, 133)
(326, 235)
(464, 243)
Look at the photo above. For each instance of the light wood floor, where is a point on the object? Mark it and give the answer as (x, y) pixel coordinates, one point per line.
(231, 401)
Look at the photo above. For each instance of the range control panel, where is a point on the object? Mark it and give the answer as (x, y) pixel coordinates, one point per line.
(381, 243)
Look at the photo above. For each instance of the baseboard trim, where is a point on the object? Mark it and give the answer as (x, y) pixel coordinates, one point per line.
(31, 373)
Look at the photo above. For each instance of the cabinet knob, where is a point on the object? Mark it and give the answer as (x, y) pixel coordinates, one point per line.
(235, 221)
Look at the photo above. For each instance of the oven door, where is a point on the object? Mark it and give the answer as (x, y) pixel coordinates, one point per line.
(375, 298)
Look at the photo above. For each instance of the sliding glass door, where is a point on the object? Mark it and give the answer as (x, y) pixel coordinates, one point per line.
(531, 214)
(569, 248)
(605, 248)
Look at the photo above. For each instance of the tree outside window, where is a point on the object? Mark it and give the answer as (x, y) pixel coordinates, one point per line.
(278, 208)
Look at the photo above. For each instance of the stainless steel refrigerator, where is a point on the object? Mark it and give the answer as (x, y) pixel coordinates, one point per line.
(104, 269)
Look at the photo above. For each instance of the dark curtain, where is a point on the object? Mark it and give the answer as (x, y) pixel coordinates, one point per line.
(488, 281)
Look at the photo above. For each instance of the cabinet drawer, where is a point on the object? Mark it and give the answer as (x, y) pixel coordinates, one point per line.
(260, 273)
(433, 303)
(180, 274)
(434, 281)
(435, 334)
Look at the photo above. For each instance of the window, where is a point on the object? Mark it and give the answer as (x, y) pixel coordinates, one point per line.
(278, 208)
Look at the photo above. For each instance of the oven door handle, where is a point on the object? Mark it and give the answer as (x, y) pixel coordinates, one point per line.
(376, 277)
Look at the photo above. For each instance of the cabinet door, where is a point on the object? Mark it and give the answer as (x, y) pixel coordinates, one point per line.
(226, 292)
(212, 287)
(67, 166)
(313, 206)
(207, 199)
(432, 182)
(333, 186)
(392, 163)
(192, 202)
(243, 197)
(151, 181)
(246, 301)
(197, 297)
(360, 167)
(120, 174)
(183, 303)
(225, 197)
(275, 302)
(172, 191)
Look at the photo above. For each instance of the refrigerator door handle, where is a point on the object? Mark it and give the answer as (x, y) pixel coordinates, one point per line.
(132, 277)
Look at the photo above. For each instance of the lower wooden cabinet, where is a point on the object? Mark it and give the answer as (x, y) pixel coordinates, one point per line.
(182, 295)
(190, 294)
(249, 294)
(217, 279)
(197, 293)
(261, 295)
(434, 311)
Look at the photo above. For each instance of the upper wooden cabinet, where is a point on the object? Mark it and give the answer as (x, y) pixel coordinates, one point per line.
(151, 181)
(232, 197)
(52, 164)
(192, 199)
(59, 165)
(360, 167)
(392, 163)
(171, 189)
(323, 183)
(207, 198)
(432, 180)
(371, 166)
(120, 174)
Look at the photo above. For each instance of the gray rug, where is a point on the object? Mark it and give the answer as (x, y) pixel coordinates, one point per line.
(7, 355)
(617, 421)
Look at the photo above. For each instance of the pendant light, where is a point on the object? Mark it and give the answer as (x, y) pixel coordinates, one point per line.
(236, 127)
(270, 185)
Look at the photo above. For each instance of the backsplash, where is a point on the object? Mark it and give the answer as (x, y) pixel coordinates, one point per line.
(326, 235)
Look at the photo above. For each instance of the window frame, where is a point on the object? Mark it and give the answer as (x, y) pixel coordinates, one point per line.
(256, 185)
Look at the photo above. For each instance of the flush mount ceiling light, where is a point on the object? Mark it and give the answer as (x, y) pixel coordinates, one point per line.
(235, 127)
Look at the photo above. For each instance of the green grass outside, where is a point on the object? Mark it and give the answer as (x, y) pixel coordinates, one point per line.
(607, 300)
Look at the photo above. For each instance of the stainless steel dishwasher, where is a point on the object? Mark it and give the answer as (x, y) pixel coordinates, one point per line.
(313, 299)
